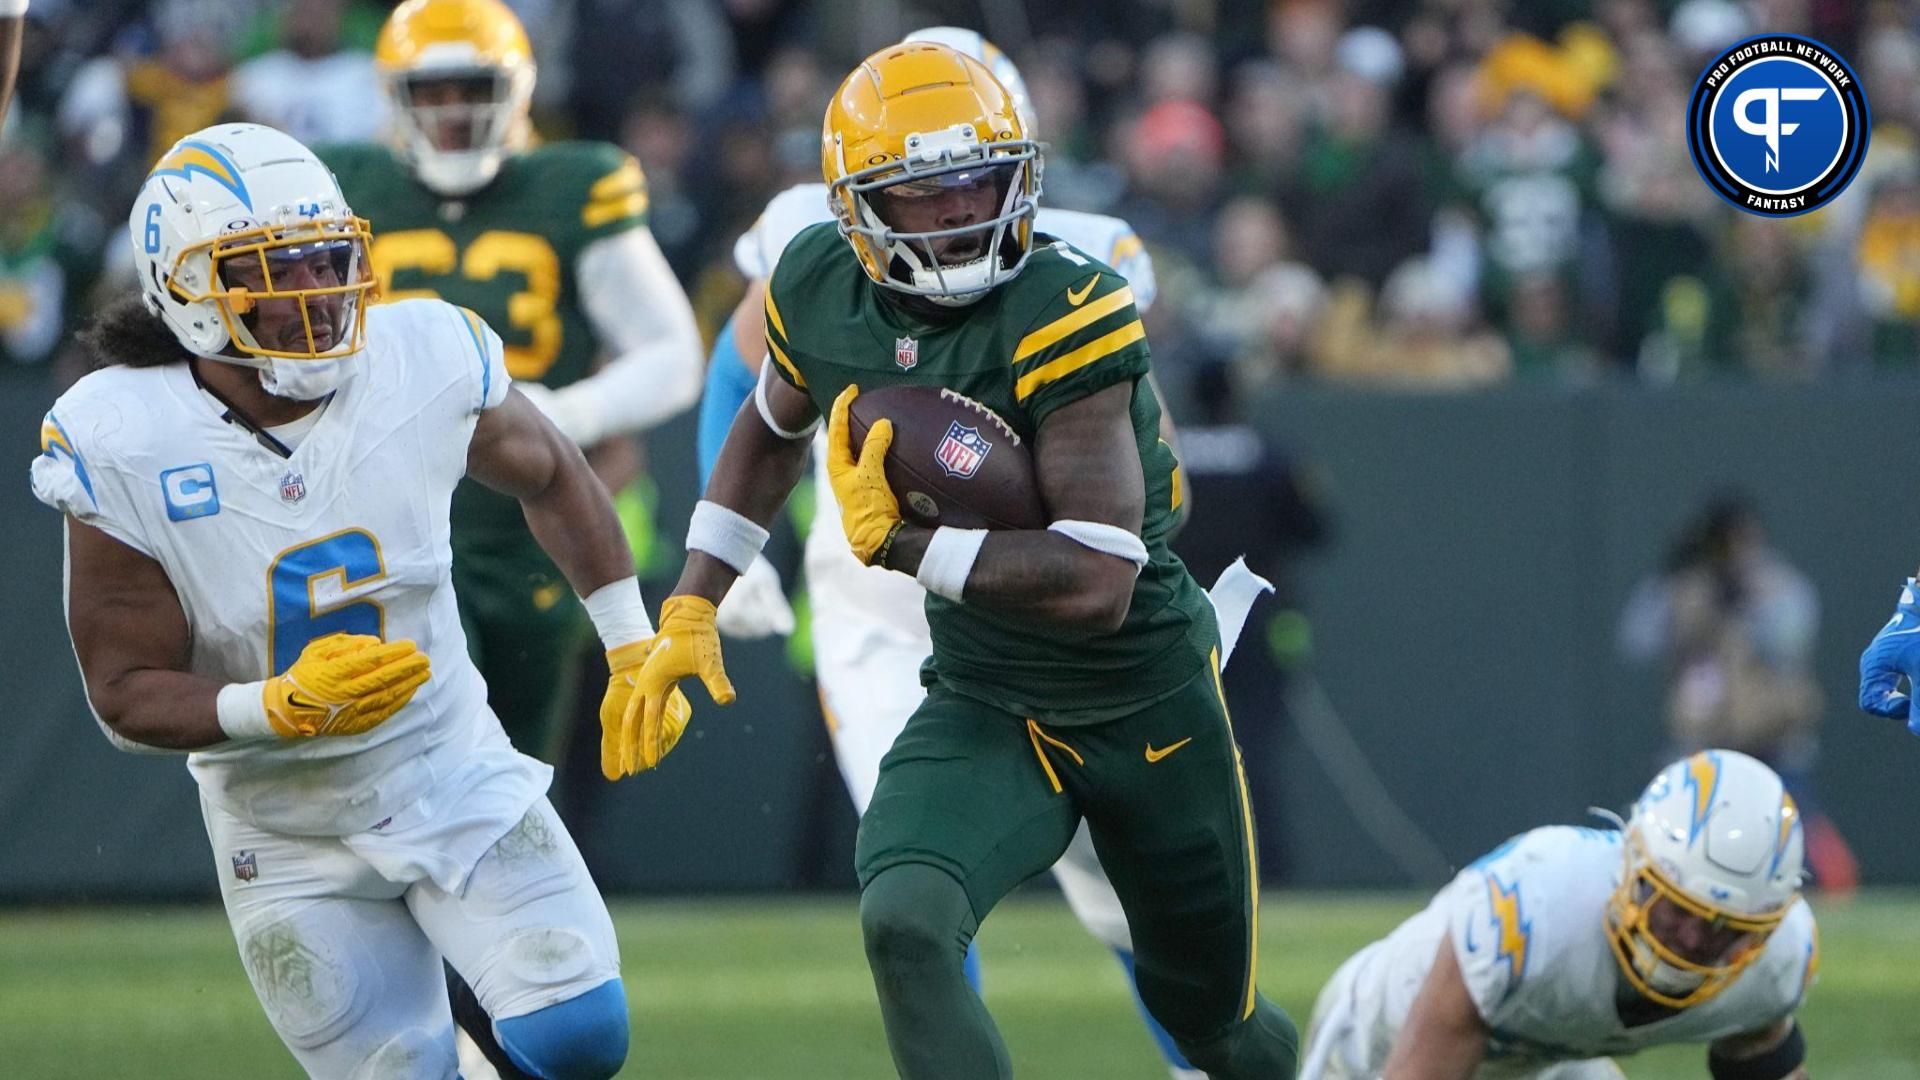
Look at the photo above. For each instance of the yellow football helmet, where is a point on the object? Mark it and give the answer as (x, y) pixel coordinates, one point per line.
(1713, 857)
(460, 74)
(919, 121)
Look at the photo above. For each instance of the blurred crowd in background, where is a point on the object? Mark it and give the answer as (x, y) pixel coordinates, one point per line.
(1405, 193)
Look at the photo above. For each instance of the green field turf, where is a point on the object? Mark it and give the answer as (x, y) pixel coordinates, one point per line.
(747, 989)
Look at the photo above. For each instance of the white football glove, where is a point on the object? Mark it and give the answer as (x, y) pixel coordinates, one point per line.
(756, 606)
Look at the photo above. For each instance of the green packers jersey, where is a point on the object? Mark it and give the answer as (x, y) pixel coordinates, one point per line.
(508, 252)
(1063, 329)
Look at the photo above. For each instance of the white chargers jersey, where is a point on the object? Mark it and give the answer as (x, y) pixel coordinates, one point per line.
(349, 534)
(896, 601)
(1527, 923)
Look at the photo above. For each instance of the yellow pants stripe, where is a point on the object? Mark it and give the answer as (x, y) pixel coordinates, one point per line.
(1253, 856)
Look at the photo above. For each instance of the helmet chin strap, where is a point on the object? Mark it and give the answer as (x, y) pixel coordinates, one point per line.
(236, 415)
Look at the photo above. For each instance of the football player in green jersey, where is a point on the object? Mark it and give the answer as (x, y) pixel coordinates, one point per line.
(1075, 668)
(549, 245)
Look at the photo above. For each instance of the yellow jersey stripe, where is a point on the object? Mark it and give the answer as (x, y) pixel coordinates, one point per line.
(1061, 366)
(1179, 495)
(773, 313)
(606, 211)
(1071, 321)
(621, 181)
(780, 356)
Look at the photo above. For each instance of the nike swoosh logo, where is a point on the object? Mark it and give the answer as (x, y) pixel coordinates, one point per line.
(1076, 297)
(299, 702)
(1155, 755)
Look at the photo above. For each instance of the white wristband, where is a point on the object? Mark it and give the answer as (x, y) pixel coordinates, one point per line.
(766, 411)
(618, 613)
(242, 707)
(1105, 539)
(949, 559)
(10, 9)
(725, 534)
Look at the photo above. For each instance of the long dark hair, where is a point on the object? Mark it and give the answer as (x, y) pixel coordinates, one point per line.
(125, 333)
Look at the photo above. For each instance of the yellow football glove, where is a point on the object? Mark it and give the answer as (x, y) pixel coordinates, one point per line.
(868, 508)
(654, 712)
(344, 684)
(620, 708)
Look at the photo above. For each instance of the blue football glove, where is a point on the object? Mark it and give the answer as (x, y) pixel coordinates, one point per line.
(1894, 652)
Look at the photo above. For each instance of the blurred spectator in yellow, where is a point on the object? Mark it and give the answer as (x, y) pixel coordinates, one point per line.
(165, 79)
(1428, 335)
(1888, 255)
(1735, 624)
(312, 87)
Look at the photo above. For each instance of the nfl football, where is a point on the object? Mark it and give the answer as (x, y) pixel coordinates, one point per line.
(953, 460)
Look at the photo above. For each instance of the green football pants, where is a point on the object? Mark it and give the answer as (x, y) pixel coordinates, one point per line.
(525, 629)
(973, 800)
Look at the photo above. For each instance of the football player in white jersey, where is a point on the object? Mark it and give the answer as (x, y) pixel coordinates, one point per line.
(869, 625)
(256, 480)
(1566, 947)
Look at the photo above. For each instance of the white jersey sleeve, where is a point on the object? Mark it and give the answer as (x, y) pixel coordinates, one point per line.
(488, 361)
(76, 472)
(1108, 239)
(788, 215)
(1490, 910)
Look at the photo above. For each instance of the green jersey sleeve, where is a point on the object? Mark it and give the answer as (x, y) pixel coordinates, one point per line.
(613, 190)
(802, 253)
(1086, 338)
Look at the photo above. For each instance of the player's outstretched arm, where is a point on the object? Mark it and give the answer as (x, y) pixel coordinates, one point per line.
(1775, 1052)
(518, 452)
(133, 641)
(1080, 571)
(1444, 1037)
(763, 457)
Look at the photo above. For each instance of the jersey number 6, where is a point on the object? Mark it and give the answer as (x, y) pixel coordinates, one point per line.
(307, 590)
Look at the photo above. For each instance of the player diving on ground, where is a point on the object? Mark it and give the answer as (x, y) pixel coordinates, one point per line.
(1566, 947)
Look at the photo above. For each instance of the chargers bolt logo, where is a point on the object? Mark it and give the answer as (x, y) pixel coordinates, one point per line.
(1778, 125)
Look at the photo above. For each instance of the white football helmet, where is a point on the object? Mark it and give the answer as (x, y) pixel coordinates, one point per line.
(1717, 838)
(249, 196)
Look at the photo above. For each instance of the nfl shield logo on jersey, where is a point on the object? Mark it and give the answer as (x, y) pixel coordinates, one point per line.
(293, 487)
(962, 451)
(906, 353)
(246, 866)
